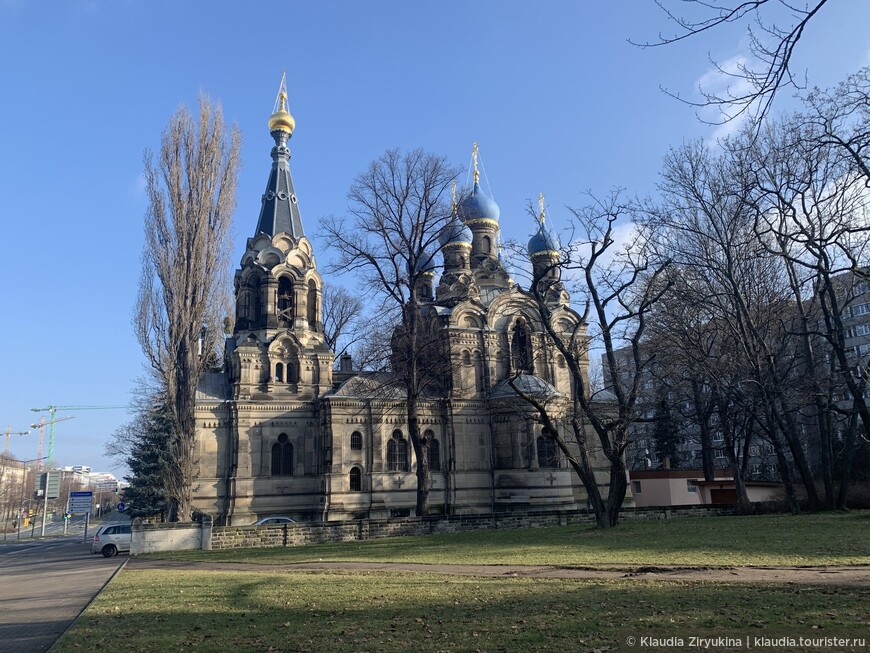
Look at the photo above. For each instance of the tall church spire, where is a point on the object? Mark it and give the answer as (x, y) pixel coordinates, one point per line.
(280, 209)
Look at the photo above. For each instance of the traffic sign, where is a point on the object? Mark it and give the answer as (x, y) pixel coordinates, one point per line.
(47, 484)
(121, 506)
(52, 485)
(80, 502)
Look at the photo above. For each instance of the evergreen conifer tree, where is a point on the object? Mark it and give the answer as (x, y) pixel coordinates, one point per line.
(665, 436)
(149, 463)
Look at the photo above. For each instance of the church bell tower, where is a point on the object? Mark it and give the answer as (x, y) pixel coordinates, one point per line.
(280, 349)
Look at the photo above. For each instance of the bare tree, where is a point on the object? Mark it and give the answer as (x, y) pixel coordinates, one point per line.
(398, 208)
(620, 288)
(685, 342)
(840, 119)
(708, 225)
(343, 327)
(774, 27)
(185, 261)
(813, 203)
(371, 351)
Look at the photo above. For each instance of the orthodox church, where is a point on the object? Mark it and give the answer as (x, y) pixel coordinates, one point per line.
(281, 431)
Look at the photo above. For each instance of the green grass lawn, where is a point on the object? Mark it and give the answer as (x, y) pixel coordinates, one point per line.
(763, 540)
(161, 610)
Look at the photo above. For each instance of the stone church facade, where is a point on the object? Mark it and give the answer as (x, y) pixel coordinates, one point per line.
(280, 431)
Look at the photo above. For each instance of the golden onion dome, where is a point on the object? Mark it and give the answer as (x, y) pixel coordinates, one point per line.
(281, 120)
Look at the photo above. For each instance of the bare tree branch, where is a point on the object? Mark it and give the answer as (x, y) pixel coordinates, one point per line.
(771, 47)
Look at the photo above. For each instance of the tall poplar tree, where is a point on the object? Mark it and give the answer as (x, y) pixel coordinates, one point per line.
(183, 287)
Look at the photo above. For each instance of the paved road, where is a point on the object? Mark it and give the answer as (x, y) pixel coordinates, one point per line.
(44, 586)
(76, 526)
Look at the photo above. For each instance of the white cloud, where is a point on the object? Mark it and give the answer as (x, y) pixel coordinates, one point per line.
(725, 81)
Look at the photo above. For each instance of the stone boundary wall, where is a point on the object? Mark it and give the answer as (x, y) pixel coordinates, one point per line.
(153, 538)
(239, 537)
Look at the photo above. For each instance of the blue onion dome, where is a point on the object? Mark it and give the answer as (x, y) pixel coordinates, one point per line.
(543, 241)
(455, 232)
(478, 205)
(426, 263)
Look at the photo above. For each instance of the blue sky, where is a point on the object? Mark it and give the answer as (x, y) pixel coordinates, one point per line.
(558, 99)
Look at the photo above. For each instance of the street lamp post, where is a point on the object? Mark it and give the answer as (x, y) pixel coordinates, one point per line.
(23, 483)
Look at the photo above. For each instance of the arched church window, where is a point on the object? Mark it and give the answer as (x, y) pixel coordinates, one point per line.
(485, 245)
(548, 451)
(356, 440)
(282, 457)
(466, 357)
(521, 347)
(253, 313)
(244, 308)
(397, 453)
(312, 305)
(434, 451)
(355, 479)
(285, 300)
(425, 287)
(478, 371)
(279, 373)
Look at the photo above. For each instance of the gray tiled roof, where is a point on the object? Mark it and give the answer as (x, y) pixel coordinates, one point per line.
(280, 209)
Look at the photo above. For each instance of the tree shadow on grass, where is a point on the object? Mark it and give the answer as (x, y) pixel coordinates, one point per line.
(317, 611)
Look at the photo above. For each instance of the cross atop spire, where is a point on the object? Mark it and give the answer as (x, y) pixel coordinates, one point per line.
(453, 198)
(474, 158)
(281, 123)
(281, 99)
(541, 206)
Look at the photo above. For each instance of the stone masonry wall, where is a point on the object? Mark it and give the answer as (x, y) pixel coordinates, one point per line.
(237, 537)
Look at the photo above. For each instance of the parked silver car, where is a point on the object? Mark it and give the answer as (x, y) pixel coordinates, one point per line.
(274, 521)
(111, 538)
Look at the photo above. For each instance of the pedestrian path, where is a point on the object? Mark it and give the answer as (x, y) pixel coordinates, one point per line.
(856, 575)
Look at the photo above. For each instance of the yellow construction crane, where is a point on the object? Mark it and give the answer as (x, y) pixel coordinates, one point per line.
(9, 434)
(52, 410)
(41, 424)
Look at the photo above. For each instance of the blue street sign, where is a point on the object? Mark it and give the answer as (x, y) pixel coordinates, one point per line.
(121, 506)
(80, 502)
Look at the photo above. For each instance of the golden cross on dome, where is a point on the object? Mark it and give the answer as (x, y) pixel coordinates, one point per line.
(474, 158)
(281, 100)
(453, 196)
(541, 205)
(281, 120)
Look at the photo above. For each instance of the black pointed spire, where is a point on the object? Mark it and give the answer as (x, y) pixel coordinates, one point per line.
(280, 209)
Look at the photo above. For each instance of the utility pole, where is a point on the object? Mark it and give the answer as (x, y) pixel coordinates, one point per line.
(52, 491)
(21, 501)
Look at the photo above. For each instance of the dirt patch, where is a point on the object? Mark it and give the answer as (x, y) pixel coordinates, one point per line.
(832, 575)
